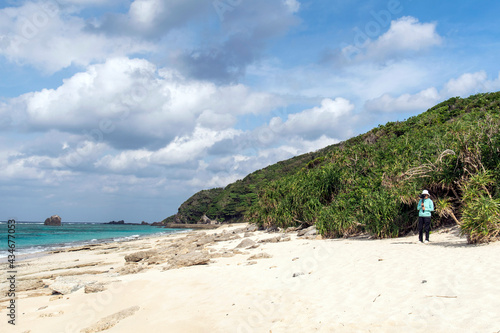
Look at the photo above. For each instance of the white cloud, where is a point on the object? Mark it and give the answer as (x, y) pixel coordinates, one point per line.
(407, 33)
(51, 36)
(130, 102)
(463, 86)
(43, 35)
(405, 36)
(327, 118)
(293, 5)
(153, 19)
(405, 102)
(18, 168)
(144, 12)
(50, 169)
(227, 169)
(214, 120)
(466, 84)
(180, 151)
(190, 147)
(84, 2)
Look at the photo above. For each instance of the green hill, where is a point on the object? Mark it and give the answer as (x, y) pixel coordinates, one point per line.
(232, 203)
(370, 183)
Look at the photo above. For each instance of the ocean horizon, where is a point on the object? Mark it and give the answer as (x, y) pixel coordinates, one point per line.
(33, 236)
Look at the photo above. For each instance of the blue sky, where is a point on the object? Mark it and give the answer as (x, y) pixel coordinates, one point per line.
(115, 109)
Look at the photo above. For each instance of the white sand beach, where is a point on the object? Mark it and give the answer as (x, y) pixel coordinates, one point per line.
(291, 284)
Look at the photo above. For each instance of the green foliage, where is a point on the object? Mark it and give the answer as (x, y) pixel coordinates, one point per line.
(195, 207)
(481, 211)
(444, 207)
(315, 162)
(232, 203)
(481, 220)
(370, 183)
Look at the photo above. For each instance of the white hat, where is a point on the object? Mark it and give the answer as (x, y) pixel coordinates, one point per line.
(425, 192)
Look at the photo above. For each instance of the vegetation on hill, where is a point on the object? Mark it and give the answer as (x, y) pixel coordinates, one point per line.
(230, 204)
(371, 183)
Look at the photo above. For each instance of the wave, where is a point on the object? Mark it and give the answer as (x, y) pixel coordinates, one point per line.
(126, 238)
(58, 246)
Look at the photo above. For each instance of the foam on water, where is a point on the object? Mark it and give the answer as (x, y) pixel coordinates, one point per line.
(34, 237)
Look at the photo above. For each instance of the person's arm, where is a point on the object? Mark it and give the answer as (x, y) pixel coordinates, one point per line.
(419, 206)
(431, 206)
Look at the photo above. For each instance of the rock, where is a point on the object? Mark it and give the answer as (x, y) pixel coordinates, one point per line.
(271, 240)
(185, 250)
(189, 259)
(161, 258)
(94, 288)
(313, 237)
(291, 229)
(54, 220)
(262, 255)
(206, 220)
(110, 321)
(272, 228)
(226, 237)
(276, 239)
(227, 254)
(27, 285)
(248, 234)
(224, 254)
(130, 268)
(239, 230)
(144, 223)
(157, 224)
(138, 256)
(66, 285)
(308, 231)
(252, 228)
(245, 243)
(41, 292)
(312, 232)
(207, 239)
(116, 222)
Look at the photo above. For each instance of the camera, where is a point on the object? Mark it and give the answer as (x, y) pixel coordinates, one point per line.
(422, 196)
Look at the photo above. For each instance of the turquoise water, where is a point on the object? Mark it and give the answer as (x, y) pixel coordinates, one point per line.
(31, 237)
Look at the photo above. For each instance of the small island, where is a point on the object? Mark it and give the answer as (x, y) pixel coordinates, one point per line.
(116, 222)
(122, 222)
(54, 220)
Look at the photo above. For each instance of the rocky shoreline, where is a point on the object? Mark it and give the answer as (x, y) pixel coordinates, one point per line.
(177, 251)
(238, 279)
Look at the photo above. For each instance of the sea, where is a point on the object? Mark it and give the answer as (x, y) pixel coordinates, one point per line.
(34, 237)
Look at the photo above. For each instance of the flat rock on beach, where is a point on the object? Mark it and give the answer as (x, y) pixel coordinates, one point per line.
(220, 281)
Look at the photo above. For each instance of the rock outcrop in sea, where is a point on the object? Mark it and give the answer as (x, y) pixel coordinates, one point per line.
(54, 220)
(116, 222)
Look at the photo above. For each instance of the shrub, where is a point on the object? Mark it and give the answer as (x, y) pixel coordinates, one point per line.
(481, 220)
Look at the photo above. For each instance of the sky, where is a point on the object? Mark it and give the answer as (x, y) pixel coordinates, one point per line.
(121, 110)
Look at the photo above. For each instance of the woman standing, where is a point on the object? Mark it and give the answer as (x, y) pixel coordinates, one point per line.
(425, 208)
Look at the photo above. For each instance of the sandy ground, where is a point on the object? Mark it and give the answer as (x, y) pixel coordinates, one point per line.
(298, 285)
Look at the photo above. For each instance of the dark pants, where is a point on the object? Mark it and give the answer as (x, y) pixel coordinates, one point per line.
(424, 225)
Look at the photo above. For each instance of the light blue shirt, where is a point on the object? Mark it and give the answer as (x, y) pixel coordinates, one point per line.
(429, 207)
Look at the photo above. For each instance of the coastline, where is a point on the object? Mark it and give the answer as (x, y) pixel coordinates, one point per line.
(202, 281)
(41, 249)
